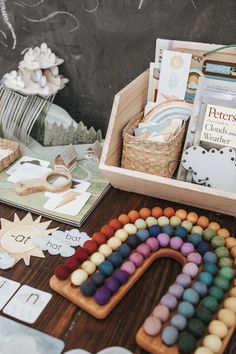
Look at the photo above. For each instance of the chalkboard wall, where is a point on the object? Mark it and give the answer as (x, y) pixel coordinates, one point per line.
(106, 43)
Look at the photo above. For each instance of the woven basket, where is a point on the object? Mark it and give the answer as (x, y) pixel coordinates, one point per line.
(14, 155)
(143, 155)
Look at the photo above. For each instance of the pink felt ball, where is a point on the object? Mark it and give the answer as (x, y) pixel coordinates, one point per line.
(136, 258)
(177, 290)
(163, 239)
(187, 248)
(129, 267)
(144, 250)
(190, 269)
(176, 243)
(152, 243)
(162, 312)
(169, 300)
(195, 258)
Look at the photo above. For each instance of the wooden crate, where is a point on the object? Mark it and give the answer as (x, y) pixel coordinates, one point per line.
(127, 103)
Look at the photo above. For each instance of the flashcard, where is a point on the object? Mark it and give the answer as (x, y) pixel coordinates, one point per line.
(28, 171)
(27, 304)
(69, 202)
(175, 67)
(7, 290)
(20, 339)
(61, 242)
(29, 160)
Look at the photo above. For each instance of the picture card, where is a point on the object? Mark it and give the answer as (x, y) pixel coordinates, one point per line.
(20, 339)
(27, 304)
(29, 160)
(175, 67)
(27, 172)
(7, 290)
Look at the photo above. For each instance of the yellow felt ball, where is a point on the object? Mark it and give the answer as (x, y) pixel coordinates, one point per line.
(202, 350)
(230, 242)
(192, 217)
(105, 249)
(197, 230)
(228, 317)
(121, 234)
(130, 228)
(181, 213)
(114, 243)
(212, 342)
(233, 252)
(78, 277)
(97, 258)
(187, 224)
(218, 328)
(230, 303)
(89, 267)
(233, 292)
(223, 232)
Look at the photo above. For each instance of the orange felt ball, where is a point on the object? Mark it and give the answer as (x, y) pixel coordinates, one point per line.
(157, 212)
(192, 217)
(214, 226)
(145, 213)
(169, 212)
(133, 215)
(124, 219)
(223, 232)
(233, 252)
(107, 230)
(230, 242)
(116, 224)
(99, 238)
(181, 213)
(203, 221)
(90, 246)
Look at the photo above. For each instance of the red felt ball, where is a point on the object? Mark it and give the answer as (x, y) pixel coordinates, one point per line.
(81, 254)
(62, 272)
(71, 263)
(90, 246)
(99, 238)
(107, 230)
(116, 224)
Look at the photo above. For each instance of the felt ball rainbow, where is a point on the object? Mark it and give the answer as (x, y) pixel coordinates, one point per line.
(198, 311)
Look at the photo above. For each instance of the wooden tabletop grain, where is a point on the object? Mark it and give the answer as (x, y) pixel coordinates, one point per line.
(75, 327)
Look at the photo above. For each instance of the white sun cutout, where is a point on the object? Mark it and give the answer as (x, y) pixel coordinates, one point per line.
(16, 237)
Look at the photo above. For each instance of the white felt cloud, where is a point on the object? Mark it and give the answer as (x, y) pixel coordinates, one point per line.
(215, 168)
(20, 344)
(53, 246)
(6, 261)
(110, 350)
(72, 237)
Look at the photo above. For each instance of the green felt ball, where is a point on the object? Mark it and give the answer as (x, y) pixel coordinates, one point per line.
(203, 314)
(185, 309)
(187, 224)
(140, 224)
(175, 221)
(225, 262)
(227, 272)
(218, 241)
(210, 303)
(217, 293)
(208, 234)
(187, 343)
(196, 327)
(222, 252)
(222, 283)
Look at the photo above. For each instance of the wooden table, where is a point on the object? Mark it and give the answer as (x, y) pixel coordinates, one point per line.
(75, 327)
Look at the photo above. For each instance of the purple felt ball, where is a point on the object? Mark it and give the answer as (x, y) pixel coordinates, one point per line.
(152, 243)
(163, 239)
(112, 285)
(144, 250)
(121, 275)
(169, 300)
(102, 296)
(177, 290)
(176, 243)
(195, 258)
(187, 248)
(184, 280)
(136, 258)
(129, 267)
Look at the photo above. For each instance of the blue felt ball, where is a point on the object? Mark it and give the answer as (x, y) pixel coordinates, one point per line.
(201, 288)
(181, 232)
(191, 296)
(106, 268)
(194, 239)
(154, 230)
(179, 322)
(133, 241)
(168, 229)
(116, 259)
(210, 268)
(185, 309)
(88, 288)
(124, 250)
(206, 278)
(169, 335)
(98, 278)
(210, 257)
(203, 247)
(143, 235)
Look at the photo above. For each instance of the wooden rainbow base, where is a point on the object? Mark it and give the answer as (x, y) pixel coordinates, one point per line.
(73, 294)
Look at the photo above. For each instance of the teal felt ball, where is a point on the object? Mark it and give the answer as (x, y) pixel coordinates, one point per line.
(191, 296)
(185, 309)
(206, 278)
